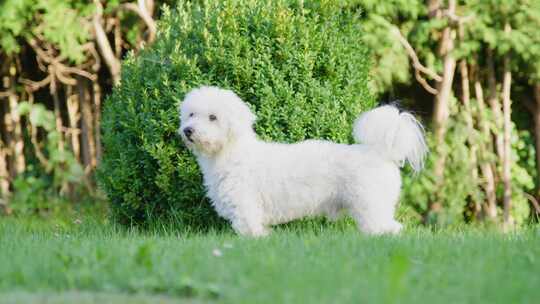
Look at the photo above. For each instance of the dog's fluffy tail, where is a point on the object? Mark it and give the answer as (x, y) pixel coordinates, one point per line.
(397, 136)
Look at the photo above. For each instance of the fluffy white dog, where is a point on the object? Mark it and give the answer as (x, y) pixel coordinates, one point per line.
(256, 184)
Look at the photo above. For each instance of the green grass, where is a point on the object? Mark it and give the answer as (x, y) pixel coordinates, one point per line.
(95, 262)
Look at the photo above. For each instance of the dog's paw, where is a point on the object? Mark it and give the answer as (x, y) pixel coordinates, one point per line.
(249, 229)
(260, 232)
(391, 228)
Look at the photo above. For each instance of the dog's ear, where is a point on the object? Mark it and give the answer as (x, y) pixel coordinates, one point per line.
(246, 115)
(242, 118)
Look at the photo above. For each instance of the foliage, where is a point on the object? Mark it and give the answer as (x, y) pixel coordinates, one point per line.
(54, 75)
(61, 23)
(58, 21)
(462, 190)
(45, 183)
(291, 63)
(301, 68)
(459, 186)
(391, 63)
(484, 25)
(62, 27)
(13, 18)
(479, 30)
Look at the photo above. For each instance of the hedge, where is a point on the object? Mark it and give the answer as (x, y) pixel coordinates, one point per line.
(301, 66)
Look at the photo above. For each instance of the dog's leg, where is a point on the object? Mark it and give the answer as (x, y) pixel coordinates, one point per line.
(248, 219)
(334, 214)
(374, 214)
(247, 227)
(374, 223)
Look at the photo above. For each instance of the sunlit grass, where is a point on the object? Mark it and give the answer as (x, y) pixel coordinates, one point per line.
(296, 264)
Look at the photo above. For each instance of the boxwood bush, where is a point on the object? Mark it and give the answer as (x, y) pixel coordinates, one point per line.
(300, 66)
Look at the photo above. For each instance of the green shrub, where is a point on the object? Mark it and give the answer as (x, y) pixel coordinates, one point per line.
(301, 67)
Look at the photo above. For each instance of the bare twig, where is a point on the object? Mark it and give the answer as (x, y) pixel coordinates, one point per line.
(80, 72)
(104, 45)
(37, 148)
(423, 82)
(33, 86)
(55, 67)
(63, 78)
(413, 56)
(141, 10)
(533, 201)
(418, 66)
(4, 94)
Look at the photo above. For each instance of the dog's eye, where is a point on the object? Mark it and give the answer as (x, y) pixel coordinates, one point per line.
(190, 114)
(212, 117)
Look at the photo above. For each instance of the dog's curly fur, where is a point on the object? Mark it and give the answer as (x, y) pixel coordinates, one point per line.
(256, 184)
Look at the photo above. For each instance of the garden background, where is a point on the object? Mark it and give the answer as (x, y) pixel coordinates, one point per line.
(469, 69)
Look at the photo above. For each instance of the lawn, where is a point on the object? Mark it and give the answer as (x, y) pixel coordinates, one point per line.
(92, 261)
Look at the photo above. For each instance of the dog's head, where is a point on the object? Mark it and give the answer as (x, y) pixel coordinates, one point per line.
(211, 118)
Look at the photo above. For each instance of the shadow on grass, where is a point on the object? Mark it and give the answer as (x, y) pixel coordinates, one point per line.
(85, 297)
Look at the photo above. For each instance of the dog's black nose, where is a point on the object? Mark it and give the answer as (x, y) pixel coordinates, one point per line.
(188, 131)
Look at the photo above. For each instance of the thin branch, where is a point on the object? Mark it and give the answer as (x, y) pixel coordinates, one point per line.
(35, 85)
(418, 66)
(533, 201)
(37, 148)
(4, 94)
(56, 68)
(90, 47)
(80, 72)
(142, 11)
(104, 45)
(63, 78)
(414, 57)
(423, 82)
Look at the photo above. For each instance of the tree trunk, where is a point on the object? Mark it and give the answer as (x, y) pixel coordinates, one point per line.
(87, 125)
(17, 140)
(473, 148)
(495, 104)
(507, 144)
(7, 132)
(4, 174)
(536, 117)
(58, 119)
(74, 116)
(96, 94)
(442, 102)
(5, 178)
(5, 193)
(490, 210)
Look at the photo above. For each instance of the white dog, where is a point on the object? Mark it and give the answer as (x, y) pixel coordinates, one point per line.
(256, 184)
